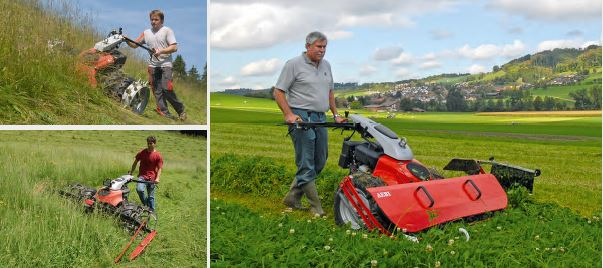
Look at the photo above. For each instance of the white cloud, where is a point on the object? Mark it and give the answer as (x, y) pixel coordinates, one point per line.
(387, 53)
(238, 24)
(229, 82)
(488, 51)
(338, 35)
(432, 64)
(513, 50)
(551, 10)
(402, 73)
(439, 34)
(476, 68)
(403, 59)
(367, 70)
(261, 67)
(481, 52)
(564, 43)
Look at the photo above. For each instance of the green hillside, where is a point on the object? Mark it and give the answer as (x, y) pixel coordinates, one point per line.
(42, 86)
(39, 228)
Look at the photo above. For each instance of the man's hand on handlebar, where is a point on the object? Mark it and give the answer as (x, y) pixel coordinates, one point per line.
(339, 119)
(292, 118)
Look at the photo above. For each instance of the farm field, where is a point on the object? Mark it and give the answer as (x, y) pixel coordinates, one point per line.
(39, 228)
(252, 165)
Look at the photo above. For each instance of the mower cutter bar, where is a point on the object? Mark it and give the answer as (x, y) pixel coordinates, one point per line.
(352, 196)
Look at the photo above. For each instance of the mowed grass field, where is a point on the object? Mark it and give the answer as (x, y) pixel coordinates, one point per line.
(253, 163)
(39, 228)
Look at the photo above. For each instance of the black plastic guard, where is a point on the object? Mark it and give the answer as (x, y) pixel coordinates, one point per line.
(470, 166)
(508, 175)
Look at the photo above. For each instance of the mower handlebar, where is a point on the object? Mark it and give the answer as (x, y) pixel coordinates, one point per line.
(307, 125)
(149, 182)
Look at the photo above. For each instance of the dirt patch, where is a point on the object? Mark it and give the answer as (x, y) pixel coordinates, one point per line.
(538, 137)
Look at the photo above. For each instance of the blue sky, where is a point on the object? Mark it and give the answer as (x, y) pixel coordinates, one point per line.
(389, 40)
(188, 19)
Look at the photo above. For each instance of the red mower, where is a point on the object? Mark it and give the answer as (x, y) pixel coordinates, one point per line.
(112, 198)
(387, 188)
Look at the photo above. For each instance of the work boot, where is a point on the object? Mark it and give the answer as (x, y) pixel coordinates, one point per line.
(293, 197)
(310, 190)
(182, 116)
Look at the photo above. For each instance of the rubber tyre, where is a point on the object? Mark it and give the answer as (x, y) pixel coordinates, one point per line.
(345, 214)
(139, 103)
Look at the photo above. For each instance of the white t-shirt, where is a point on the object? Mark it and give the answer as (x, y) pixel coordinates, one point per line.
(160, 39)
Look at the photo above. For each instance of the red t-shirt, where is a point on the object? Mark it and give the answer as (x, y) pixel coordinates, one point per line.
(149, 163)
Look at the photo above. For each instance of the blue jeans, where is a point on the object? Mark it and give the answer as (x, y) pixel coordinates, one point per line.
(150, 188)
(311, 147)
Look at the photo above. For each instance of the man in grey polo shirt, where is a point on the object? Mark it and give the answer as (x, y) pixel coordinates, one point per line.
(162, 40)
(303, 92)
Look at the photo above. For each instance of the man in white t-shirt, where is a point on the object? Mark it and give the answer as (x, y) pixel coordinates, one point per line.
(161, 39)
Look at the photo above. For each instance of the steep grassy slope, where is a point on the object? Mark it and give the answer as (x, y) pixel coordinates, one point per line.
(38, 228)
(41, 86)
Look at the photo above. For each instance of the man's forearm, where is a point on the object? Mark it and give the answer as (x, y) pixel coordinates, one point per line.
(332, 104)
(281, 101)
(158, 175)
(133, 167)
(170, 49)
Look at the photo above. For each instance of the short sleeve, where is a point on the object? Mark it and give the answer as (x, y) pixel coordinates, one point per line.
(331, 83)
(287, 77)
(170, 37)
(139, 155)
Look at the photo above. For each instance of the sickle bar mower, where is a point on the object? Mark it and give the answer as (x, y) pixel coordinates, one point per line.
(387, 188)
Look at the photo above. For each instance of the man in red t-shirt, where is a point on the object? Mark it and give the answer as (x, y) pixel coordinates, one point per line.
(151, 164)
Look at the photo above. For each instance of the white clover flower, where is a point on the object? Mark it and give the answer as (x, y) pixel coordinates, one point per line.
(537, 237)
(450, 242)
(456, 238)
(452, 252)
(330, 239)
(353, 233)
(429, 247)
(374, 263)
(537, 249)
(291, 231)
(327, 248)
(348, 231)
(309, 221)
(498, 228)
(365, 236)
(280, 225)
(437, 264)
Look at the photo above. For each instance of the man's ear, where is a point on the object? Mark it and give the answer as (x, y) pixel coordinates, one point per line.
(307, 46)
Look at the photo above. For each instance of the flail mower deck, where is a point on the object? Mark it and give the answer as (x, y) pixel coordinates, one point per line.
(387, 188)
(112, 198)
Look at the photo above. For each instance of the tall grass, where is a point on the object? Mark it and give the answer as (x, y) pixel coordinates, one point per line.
(41, 229)
(39, 85)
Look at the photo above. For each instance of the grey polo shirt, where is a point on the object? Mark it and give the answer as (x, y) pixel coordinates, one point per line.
(306, 86)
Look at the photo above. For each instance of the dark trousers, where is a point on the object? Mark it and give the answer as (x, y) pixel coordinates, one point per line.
(311, 147)
(160, 79)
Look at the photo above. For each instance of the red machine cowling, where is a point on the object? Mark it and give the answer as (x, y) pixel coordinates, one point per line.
(416, 206)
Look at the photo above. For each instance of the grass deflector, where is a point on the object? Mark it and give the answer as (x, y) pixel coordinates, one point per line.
(112, 198)
(387, 188)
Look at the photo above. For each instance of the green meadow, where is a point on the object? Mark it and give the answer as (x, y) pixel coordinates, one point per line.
(252, 163)
(39, 228)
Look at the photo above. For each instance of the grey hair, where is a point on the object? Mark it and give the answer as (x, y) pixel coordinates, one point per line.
(313, 36)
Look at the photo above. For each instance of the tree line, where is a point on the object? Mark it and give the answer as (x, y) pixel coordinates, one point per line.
(192, 75)
(510, 100)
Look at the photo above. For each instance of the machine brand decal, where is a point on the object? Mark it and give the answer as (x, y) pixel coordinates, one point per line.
(383, 194)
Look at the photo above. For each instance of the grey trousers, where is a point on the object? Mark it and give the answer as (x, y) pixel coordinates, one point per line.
(160, 79)
(311, 147)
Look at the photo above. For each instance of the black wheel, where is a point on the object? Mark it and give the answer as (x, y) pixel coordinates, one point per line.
(140, 101)
(344, 211)
(133, 215)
